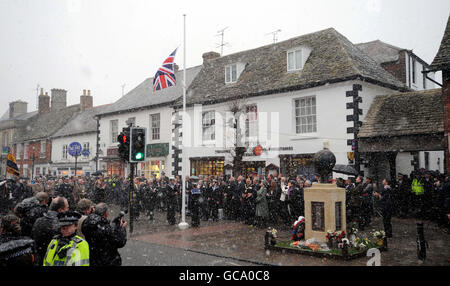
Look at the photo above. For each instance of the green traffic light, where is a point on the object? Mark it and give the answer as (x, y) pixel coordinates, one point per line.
(139, 156)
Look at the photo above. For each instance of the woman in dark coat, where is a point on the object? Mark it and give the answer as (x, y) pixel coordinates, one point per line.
(273, 197)
(385, 197)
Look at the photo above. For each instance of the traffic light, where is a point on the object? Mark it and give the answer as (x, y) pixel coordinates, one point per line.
(137, 144)
(124, 144)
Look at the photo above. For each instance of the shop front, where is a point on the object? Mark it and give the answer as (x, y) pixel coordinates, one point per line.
(297, 164)
(155, 163)
(209, 166)
(114, 165)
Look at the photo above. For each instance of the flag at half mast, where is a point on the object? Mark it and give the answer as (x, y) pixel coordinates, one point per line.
(165, 76)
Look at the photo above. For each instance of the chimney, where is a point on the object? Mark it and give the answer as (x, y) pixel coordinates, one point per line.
(59, 99)
(209, 56)
(86, 100)
(43, 102)
(17, 108)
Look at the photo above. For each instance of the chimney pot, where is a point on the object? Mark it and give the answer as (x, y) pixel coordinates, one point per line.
(86, 101)
(209, 56)
(43, 102)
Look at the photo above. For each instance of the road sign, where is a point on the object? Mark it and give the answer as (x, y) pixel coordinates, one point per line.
(74, 149)
(85, 152)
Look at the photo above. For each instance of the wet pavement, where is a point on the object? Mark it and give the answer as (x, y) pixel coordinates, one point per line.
(235, 240)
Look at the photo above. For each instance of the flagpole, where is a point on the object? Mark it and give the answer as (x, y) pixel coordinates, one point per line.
(183, 224)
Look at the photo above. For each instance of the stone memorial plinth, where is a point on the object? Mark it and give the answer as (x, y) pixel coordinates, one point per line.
(324, 210)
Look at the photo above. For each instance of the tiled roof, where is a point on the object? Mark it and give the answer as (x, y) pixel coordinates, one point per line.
(442, 58)
(83, 122)
(417, 112)
(333, 58)
(44, 125)
(7, 122)
(380, 51)
(143, 96)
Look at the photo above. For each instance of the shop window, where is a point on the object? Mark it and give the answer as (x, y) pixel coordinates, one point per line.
(206, 167)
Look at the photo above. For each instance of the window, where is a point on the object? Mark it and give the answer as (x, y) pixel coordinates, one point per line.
(5, 139)
(132, 120)
(208, 126)
(64, 152)
(251, 122)
(86, 147)
(155, 125)
(25, 151)
(209, 167)
(18, 150)
(114, 130)
(305, 115)
(231, 73)
(294, 60)
(43, 149)
(154, 168)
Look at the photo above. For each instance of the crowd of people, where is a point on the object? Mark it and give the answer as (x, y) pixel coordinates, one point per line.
(65, 220)
(59, 222)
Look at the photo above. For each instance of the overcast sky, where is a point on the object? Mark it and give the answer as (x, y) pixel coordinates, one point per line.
(102, 44)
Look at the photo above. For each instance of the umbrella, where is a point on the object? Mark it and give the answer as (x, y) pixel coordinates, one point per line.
(345, 169)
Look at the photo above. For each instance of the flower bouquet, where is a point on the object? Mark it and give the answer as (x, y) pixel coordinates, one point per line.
(379, 236)
(273, 237)
(330, 237)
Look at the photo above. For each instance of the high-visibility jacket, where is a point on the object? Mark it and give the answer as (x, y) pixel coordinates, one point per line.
(417, 187)
(72, 253)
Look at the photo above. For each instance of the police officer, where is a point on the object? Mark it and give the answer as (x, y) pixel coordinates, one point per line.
(66, 190)
(67, 248)
(196, 200)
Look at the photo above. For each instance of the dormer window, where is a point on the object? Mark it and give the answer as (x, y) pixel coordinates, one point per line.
(296, 58)
(231, 73)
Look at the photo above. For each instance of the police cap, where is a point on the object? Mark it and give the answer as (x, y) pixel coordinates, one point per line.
(68, 218)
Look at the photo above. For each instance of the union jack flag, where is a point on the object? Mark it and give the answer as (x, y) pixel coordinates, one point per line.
(165, 76)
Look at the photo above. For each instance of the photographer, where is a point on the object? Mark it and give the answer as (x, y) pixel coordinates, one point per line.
(104, 238)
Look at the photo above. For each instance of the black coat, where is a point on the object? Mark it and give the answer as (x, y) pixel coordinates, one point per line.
(386, 198)
(44, 229)
(29, 211)
(104, 240)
